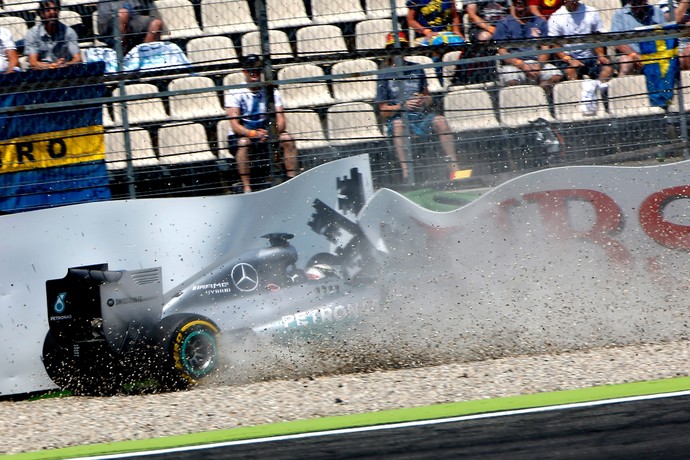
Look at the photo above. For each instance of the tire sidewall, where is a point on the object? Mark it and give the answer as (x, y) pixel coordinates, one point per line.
(178, 333)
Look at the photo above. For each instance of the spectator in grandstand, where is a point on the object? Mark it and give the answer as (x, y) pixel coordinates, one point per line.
(483, 15)
(9, 58)
(544, 8)
(138, 22)
(246, 108)
(430, 18)
(575, 18)
(51, 44)
(681, 17)
(521, 25)
(637, 13)
(415, 104)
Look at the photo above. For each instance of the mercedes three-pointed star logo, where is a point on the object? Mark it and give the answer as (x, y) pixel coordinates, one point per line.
(245, 277)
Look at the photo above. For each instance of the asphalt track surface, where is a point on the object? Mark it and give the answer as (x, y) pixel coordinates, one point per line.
(642, 427)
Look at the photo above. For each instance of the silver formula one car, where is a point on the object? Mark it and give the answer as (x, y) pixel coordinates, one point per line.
(109, 328)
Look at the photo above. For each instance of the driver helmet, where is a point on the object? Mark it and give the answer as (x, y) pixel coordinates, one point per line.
(321, 271)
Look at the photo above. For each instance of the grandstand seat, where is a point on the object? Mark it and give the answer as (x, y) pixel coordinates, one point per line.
(323, 39)
(146, 168)
(146, 110)
(70, 18)
(220, 17)
(94, 25)
(107, 119)
(279, 44)
(430, 72)
(142, 149)
(196, 105)
(222, 130)
(522, 104)
(307, 94)
(330, 12)
(381, 9)
(355, 88)
(567, 105)
(371, 34)
(75, 3)
(628, 97)
(179, 18)
(234, 78)
(469, 110)
(190, 166)
(305, 127)
(448, 67)
(183, 143)
(16, 25)
(352, 123)
(211, 50)
(282, 14)
(27, 7)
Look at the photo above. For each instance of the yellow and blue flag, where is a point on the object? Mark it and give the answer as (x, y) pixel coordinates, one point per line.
(660, 67)
(57, 156)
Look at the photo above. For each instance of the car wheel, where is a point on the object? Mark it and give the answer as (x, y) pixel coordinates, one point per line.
(190, 351)
(99, 376)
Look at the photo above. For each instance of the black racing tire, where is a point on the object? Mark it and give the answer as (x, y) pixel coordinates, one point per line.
(190, 352)
(100, 376)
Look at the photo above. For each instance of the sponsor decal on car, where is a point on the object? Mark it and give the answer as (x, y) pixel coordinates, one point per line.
(324, 315)
(125, 301)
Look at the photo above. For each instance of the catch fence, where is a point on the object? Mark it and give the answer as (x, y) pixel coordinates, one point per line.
(165, 128)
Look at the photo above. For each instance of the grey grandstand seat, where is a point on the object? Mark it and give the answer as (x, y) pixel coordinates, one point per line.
(282, 14)
(142, 149)
(371, 34)
(323, 39)
(220, 17)
(179, 18)
(522, 104)
(305, 126)
(355, 88)
(469, 110)
(431, 76)
(279, 44)
(352, 123)
(17, 26)
(211, 50)
(19, 6)
(146, 110)
(183, 144)
(306, 94)
(330, 12)
(567, 105)
(381, 9)
(628, 97)
(192, 106)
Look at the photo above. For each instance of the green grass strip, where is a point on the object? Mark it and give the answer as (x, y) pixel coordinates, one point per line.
(369, 419)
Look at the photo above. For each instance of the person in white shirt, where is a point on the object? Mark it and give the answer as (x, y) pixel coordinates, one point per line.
(246, 108)
(575, 18)
(9, 58)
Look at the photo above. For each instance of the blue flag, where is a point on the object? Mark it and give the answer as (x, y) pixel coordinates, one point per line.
(55, 157)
